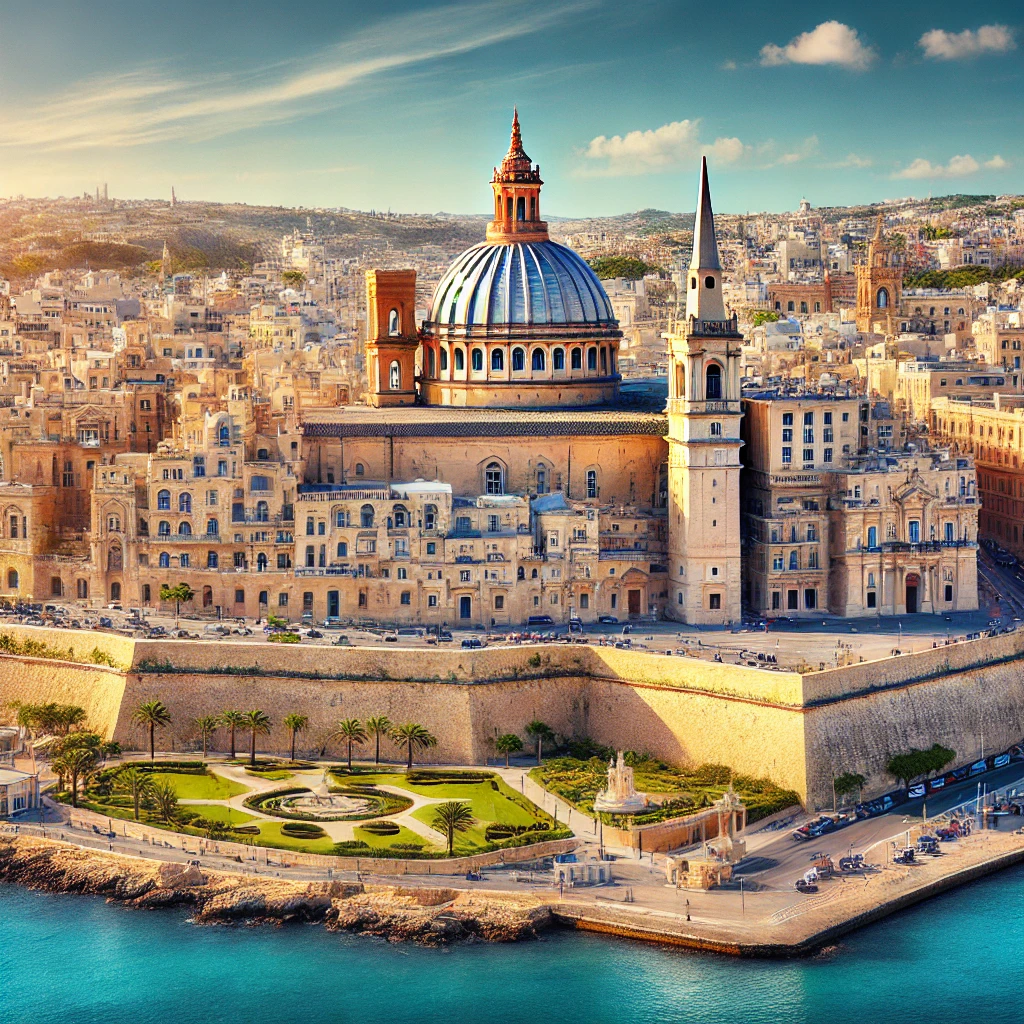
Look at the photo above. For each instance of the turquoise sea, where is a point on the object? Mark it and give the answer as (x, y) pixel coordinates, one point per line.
(76, 959)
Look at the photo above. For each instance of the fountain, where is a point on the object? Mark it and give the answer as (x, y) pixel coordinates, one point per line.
(320, 802)
(620, 797)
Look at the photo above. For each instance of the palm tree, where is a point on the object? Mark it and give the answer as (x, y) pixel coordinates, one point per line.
(256, 722)
(207, 726)
(351, 730)
(77, 763)
(507, 744)
(379, 725)
(540, 731)
(412, 735)
(180, 594)
(64, 717)
(451, 817)
(233, 720)
(152, 714)
(296, 723)
(136, 783)
(27, 716)
(166, 800)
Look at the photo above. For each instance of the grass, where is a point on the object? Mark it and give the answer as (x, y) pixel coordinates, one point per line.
(202, 787)
(218, 812)
(272, 836)
(405, 835)
(271, 776)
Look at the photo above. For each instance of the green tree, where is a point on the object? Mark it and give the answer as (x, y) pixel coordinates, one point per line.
(848, 782)
(207, 725)
(76, 764)
(258, 723)
(411, 735)
(136, 783)
(508, 743)
(295, 723)
(232, 721)
(451, 817)
(540, 731)
(351, 731)
(628, 267)
(907, 767)
(27, 717)
(165, 800)
(153, 714)
(293, 279)
(180, 593)
(765, 316)
(379, 725)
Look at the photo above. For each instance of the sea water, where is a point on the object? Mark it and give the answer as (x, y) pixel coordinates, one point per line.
(77, 959)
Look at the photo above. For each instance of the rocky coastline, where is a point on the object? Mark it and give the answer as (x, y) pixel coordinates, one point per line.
(430, 916)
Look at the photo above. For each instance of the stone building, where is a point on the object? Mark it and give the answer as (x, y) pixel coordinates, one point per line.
(879, 286)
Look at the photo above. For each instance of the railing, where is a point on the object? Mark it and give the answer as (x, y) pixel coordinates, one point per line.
(626, 555)
(716, 327)
(375, 494)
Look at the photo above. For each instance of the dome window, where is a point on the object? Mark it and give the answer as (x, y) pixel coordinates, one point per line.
(558, 359)
(518, 359)
(576, 359)
(538, 360)
(497, 360)
(477, 357)
(444, 360)
(592, 359)
(460, 359)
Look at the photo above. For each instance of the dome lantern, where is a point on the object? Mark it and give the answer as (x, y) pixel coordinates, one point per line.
(516, 187)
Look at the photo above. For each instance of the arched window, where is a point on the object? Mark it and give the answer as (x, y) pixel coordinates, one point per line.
(520, 573)
(592, 491)
(444, 360)
(184, 529)
(538, 361)
(261, 562)
(430, 362)
(533, 575)
(591, 358)
(115, 591)
(262, 512)
(794, 562)
(212, 528)
(558, 359)
(359, 469)
(882, 299)
(542, 480)
(713, 383)
(395, 376)
(576, 359)
(114, 524)
(394, 325)
(164, 529)
(401, 517)
(82, 589)
(477, 358)
(709, 281)
(12, 579)
(163, 501)
(429, 517)
(716, 429)
(366, 517)
(518, 360)
(460, 359)
(185, 502)
(212, 560)
(493, 479)
(224, 434)
(342, 549)
(164, 560)
(497, 360)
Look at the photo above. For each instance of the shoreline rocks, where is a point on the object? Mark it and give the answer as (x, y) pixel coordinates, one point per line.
(432, 916)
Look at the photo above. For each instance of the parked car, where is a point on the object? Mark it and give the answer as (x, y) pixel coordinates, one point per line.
(391, 638)
(472, 642)
(106, 623)
(216, 629)
(540, 620)
(332, 622)
(341, 640)
(314, 634)
(608, 620)
(444, 637)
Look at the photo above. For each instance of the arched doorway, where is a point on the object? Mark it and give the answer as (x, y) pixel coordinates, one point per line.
(913, 582)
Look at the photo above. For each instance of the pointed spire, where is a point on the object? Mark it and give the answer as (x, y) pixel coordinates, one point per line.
(515, 146)
(878, 227)
(705, 246)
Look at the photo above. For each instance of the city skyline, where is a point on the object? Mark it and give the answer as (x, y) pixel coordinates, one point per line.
(367, 110)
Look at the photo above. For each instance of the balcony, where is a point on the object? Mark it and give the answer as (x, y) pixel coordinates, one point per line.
(625, 555)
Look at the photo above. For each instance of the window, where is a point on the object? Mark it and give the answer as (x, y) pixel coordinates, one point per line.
(163, 501)
(184, 561)
(497, 360)
(948, 592)
(395, 376)
(82, 587)
(431, 548)
(164, 560)
(787, 434)
(477, 359)
(184, 529)
(538, 361)
(576, 359)
(460, 359)
(558, 359)
(542, 481)
(826, 455)
(465, 576)
(164, 529)
(713, 383)
(518, 359)
(591, 358)
(787, 456)
(714, 601)
(808, 455)
(948, 533)
(406, 597)
(239, 596)
(493, 482)
(794, 560)
(592, 491)
(366, 517)
(914, 531)
(872, 536)
(310, 556)
(716, 429)
(810, 598)
(777, 562)
(185, 502)
(402, 573)
(882, 298)
(444, 359)
(239, 559)
(212, 560)
(787, 419)
(493, 524)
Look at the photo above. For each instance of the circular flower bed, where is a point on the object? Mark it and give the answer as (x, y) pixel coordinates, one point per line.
(368, 803)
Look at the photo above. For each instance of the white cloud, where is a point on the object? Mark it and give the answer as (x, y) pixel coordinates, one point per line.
(851, 160)
(831, 42)
(658, 149)
(961, 166)
(941, 45)
(147, 105)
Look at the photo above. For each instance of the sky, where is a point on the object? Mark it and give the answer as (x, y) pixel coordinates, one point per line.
(406, 105)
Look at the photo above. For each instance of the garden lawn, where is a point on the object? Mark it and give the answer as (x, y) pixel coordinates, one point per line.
(218, 812)
(271, 776)
(271, 835)
(406, 835)
(201, 787)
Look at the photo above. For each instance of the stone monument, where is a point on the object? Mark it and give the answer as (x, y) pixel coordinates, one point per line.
(620, 797)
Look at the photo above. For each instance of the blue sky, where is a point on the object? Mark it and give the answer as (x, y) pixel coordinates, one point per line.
(406, 105)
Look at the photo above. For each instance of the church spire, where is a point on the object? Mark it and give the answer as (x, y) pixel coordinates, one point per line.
(705, 247)
(516, 184)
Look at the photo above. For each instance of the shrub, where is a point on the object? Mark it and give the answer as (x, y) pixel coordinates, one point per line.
(246, 830)
(412, 847)
(302, 830)
(350, 846)
(437, 777)
(284, 638)
(382, 828)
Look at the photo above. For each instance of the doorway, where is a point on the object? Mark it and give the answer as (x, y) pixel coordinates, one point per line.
(333, 604)
(634, 602)
(465, 607)
(913, 581)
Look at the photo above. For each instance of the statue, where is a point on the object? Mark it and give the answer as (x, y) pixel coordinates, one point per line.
(620, 797)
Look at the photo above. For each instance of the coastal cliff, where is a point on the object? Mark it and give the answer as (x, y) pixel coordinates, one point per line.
(429, 916)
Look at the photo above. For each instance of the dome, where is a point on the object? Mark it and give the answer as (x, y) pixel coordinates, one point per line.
(533, 283)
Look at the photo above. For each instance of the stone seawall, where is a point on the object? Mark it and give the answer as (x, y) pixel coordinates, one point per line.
(797, 730)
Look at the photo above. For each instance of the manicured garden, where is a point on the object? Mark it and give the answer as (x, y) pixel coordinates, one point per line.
(676, 791)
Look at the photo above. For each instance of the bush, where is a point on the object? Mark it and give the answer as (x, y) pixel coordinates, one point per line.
(411, 847)
(350, 846)
(435, 777)
(382, 828)
(284, 638)
(246, 830)
(302, 830)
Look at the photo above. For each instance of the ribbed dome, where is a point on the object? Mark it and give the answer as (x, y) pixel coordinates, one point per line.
(520, 283)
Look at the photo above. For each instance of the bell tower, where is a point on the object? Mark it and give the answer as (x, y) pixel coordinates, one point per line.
(704, 440)
(391, 336)
(879, 285)
(516, 187)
